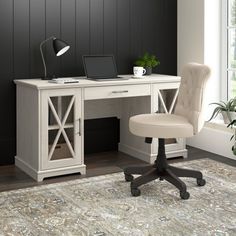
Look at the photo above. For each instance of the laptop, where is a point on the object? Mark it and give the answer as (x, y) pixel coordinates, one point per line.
(101, 67)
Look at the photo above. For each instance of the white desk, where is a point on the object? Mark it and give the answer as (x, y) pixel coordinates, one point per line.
(50, 120)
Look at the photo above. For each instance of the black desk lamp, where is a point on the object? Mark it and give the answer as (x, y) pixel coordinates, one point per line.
(59, 46)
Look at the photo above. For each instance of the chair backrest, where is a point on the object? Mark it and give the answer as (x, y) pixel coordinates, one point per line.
(190, 101)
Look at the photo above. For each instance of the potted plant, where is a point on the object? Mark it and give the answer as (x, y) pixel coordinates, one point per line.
(227, 109)
(232, 124)
(148, 62)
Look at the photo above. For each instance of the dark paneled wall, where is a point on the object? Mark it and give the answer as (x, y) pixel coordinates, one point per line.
(125, 28)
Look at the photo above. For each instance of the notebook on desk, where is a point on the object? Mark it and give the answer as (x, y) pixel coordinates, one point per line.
(101, 67)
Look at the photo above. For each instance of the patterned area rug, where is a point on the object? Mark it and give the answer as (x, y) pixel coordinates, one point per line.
(103, 205)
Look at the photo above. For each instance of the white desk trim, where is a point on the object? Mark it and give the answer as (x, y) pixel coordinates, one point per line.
(84, 83)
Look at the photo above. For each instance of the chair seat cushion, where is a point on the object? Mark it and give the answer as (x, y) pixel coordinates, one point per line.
(160, 126)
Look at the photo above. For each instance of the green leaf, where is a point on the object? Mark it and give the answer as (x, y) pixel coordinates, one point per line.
(215, 113)
(153, 58)
(149, 64)
(219, 104)
(139, 63)
(223, 103)
(147, 60)
(231, 123)
(229, 105)
(146, 57)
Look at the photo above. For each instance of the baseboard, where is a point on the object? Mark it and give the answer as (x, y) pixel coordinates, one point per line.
(61, 171)
(214, 139)
(144, 156)
(40, 175)
(147, 157)
(26, 168)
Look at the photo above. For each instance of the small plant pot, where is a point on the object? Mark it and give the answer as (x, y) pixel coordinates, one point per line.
(148, 70)
(232, 115)
(225, 117)
(228, 116)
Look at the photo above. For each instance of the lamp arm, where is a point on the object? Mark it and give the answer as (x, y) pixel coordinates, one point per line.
(41, 51)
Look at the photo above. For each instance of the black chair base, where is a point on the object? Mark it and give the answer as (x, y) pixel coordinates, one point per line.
(161, 170)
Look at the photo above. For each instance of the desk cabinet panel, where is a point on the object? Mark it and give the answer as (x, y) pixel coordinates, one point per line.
(61, 128)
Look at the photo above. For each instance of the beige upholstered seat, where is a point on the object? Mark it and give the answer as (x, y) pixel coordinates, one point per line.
(186, 121)
(160, 126)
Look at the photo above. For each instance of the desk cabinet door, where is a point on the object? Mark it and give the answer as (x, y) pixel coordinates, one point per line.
(61, 128)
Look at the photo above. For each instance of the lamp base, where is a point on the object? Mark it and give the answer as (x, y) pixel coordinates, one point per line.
(48, 78)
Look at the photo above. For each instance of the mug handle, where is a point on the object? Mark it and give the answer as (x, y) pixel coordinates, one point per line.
(144, 71)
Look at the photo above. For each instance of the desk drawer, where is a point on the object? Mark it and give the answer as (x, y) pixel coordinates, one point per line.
(117, 91)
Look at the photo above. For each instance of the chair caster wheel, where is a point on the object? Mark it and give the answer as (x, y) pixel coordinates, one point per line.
(135, 192)
(201, 182)
(184, 195)
(129, 177)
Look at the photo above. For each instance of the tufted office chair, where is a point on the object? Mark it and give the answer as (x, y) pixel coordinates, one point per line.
(186, 121)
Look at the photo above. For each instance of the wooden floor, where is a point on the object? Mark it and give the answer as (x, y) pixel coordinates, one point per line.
(97, 164)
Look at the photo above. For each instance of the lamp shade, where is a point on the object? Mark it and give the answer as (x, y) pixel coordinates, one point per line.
(60, 46)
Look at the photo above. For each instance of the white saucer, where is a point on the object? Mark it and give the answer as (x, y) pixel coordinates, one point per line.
(137, 77)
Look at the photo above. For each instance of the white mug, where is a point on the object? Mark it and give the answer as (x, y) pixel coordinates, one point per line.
(139, 71)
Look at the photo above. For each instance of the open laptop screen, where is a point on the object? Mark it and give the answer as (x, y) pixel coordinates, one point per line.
(100, 66)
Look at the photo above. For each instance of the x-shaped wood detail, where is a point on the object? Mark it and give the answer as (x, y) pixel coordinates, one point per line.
(61, 127)
(163, 103)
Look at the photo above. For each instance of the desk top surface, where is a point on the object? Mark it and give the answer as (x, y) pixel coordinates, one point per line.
(83, 82)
